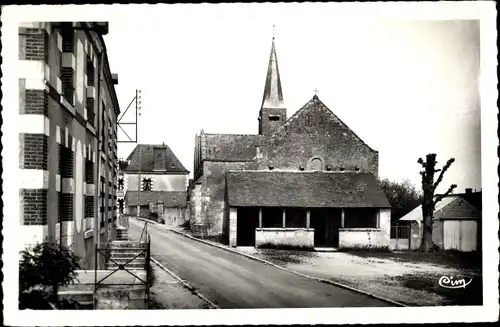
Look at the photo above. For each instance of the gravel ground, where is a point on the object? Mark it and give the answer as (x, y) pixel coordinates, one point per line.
(410, 283)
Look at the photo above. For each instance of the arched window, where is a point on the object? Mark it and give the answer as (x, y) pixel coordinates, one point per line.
(316, 164)
(120, 184)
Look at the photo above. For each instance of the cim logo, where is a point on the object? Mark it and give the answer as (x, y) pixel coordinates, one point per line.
(451, 282)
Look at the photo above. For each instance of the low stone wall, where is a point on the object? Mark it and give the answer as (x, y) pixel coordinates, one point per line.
(363, 237)
(300, 237)
(400, 244)
(120, 291)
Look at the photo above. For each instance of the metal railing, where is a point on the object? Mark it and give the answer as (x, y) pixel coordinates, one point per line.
(104, 249)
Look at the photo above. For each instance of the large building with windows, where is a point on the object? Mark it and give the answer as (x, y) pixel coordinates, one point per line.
(68, 136)
(154, 183)
(306, 181)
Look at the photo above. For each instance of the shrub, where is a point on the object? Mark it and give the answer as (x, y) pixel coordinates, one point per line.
(284, 247)
(365, 248)
(186, 225)
(42, 271)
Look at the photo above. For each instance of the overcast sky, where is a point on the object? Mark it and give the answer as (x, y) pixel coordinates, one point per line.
(406, 88)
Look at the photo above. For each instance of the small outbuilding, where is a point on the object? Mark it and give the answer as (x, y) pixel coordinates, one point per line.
(456, 225)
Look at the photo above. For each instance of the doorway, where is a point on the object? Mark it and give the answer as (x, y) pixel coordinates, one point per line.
(247, 222)
(326, 223)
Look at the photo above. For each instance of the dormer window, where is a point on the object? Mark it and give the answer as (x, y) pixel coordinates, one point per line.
(160, 155)
(274, 117)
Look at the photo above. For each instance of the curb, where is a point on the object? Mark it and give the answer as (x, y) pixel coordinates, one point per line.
(185, 284)
(325, 281)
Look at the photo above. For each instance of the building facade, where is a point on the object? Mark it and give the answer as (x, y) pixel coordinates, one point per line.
(153, 177)
(68, 148)
(307, 180)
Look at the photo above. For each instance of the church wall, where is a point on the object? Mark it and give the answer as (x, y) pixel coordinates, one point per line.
(211, 195)
(316, 136)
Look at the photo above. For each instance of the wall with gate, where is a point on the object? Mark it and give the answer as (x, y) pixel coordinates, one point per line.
(400, 237)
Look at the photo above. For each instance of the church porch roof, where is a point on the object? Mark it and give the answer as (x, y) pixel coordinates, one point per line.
(304, 189)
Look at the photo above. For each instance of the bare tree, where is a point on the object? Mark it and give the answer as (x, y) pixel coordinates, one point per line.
(429, 201)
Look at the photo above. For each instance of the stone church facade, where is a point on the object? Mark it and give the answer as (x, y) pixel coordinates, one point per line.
(307, 180)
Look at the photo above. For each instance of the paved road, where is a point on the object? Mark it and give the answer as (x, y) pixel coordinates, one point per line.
(234, 281)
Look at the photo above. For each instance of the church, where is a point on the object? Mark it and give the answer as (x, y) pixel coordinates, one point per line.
(305, 181)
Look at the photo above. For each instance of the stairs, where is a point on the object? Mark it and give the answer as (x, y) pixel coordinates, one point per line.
(130, 254)
(122, 234)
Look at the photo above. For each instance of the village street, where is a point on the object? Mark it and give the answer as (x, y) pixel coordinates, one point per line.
(234, 281)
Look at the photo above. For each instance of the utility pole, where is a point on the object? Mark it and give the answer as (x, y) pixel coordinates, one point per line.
(137, 111)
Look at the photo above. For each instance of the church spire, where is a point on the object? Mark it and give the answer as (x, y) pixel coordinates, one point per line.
(273, 94)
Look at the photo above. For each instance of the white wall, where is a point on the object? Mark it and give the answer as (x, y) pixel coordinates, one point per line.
(285, 236)
(360, 237)
(160, 182)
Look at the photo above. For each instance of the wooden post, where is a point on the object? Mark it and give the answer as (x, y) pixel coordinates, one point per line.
(260, 217)
(342, 219)
(308, 218)
(284, 218)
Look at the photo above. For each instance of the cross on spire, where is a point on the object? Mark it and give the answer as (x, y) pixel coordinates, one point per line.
(274, 31)
(316, 92)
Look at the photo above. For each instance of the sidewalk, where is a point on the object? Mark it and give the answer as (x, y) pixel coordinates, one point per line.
(168, 293)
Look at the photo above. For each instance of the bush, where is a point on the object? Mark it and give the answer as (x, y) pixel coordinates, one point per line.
(42, 271)
(365, 248)
(153, 216)
(284, 247)
(186, 225)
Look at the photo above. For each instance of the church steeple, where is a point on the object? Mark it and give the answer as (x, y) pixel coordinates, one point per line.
(273, 94)
(272, 113)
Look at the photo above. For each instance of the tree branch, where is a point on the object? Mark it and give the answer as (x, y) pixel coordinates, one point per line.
(440, 197)
(445, 168)
(422, 162)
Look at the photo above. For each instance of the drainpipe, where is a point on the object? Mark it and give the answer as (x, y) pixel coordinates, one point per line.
(97, 229)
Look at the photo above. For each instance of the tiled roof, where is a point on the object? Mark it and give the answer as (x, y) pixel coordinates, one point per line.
(231, 147)
(122, 164)
(170, 199)
(147, 163)
(304, 189)
(467, 211)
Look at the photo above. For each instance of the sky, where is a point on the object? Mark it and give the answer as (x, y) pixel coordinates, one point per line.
(407, 88)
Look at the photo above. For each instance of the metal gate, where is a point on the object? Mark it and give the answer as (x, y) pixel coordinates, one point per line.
(143, 248)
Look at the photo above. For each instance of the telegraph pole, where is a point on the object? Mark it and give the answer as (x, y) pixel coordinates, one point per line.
(137, 112)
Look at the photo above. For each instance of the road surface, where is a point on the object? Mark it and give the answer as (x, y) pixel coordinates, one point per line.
(234, 281)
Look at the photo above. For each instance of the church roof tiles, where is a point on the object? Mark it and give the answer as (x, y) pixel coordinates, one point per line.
(304, 189)
(231, 147)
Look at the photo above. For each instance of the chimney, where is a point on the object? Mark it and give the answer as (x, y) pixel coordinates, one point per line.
(468, 191)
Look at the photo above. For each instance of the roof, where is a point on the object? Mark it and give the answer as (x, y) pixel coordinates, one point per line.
(304, 189)
(147, 161)
(473, 212)
(170, 198)
(474, 198)
(231, 147)
(122, 164)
